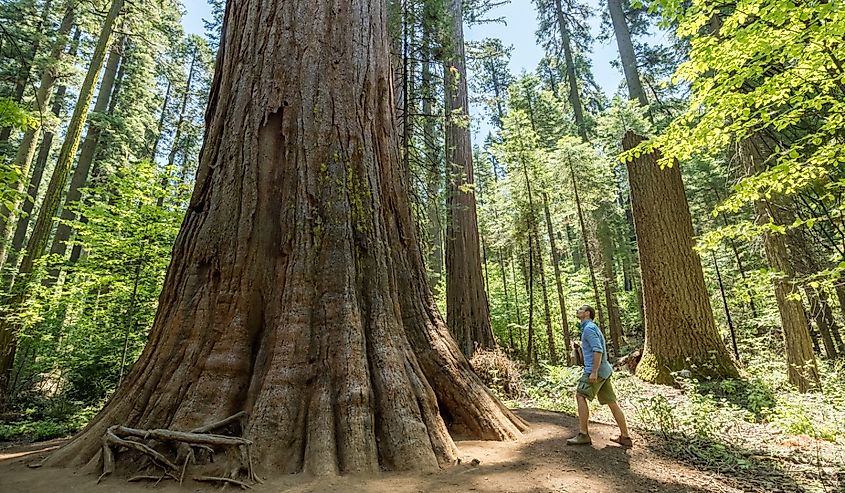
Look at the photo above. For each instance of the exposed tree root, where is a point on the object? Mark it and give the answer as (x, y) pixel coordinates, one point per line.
(122, 437)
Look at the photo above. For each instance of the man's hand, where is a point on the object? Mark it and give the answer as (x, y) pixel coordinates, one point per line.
(594, 374)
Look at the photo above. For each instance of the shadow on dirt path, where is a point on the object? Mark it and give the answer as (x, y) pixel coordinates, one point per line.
(540, 462)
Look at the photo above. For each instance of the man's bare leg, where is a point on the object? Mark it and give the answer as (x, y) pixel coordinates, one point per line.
(583, 413)
(620, 419)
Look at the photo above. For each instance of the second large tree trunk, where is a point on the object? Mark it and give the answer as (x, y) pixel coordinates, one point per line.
(679, 326)
(800, 360)
(467, 313)
(297, 290)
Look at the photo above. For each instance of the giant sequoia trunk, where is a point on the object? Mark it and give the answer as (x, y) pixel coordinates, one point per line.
(467, 312)
(680, 332)
(297, 290)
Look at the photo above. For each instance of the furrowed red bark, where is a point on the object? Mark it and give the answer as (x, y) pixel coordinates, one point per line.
(466, 301)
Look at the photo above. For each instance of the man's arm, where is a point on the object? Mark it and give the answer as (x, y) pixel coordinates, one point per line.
(594, 374)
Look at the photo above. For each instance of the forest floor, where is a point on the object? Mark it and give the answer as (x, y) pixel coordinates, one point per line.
(539, 462)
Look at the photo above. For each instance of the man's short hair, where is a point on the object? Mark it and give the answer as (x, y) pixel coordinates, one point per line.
(590, 310)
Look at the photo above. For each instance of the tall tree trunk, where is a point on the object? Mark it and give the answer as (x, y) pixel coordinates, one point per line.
(614, 318)
(161, 119)
(725, 306)
(740, 265)
(180, 123)
(26, 150)
(547, 313)
(97, 172)
(19, 236)
(840, 297)
(297, 291)
(588, 249)
(23, 72)
(87, 152)
(635, 91)
(817, 313)
(508, 318)
(44, 223)
(530, 355)
(561, 298)
(434, 174)
(626, 51)
(516, 302)
(571, 73)
(680, 332)
(802, 370)
(574, 247)
(466, 302)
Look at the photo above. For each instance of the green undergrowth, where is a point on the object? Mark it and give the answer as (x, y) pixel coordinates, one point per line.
(34, 424)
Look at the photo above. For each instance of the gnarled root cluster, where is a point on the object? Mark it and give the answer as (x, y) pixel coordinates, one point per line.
(194, 447)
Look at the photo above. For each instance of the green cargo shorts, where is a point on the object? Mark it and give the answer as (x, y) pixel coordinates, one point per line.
(603, 389)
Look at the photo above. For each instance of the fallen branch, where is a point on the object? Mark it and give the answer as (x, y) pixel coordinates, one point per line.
(201, 439)
(157, 479)
(212, 479)
(158, 458)
(182, 436)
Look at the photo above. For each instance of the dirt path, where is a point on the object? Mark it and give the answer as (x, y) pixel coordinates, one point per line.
(539, 463)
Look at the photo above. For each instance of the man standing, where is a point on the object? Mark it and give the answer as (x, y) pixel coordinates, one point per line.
(595, 382)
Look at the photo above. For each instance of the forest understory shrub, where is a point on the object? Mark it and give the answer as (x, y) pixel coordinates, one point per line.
(502, 374)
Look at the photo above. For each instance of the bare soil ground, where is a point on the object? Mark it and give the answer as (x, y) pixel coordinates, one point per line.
(540, 462)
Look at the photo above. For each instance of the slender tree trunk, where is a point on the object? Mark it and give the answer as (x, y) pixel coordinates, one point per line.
(466, 301)
(739, 263)
(530, 356)
(177, 135)
(38, 240)
(547, 313)
(680, 332)
(725, 306)
(840, 296)
(588, 250)
(297, 291)
(571, 74)
(817, 313)
(434, 174)
(161, 119)
(574, 247)
(614, 318)
(26, 150)
(561, 298)
(626, 51)
(130, 318)
(19, 237)
(23, 72)
(87, 152)
(517, 304)
(508, 317)
(834, 326)
(800, 360)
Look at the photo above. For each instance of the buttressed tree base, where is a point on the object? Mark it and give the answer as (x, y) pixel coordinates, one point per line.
(297, 292)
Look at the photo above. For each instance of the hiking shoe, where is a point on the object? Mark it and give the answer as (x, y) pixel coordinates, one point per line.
(580, 439)
(624, 441)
